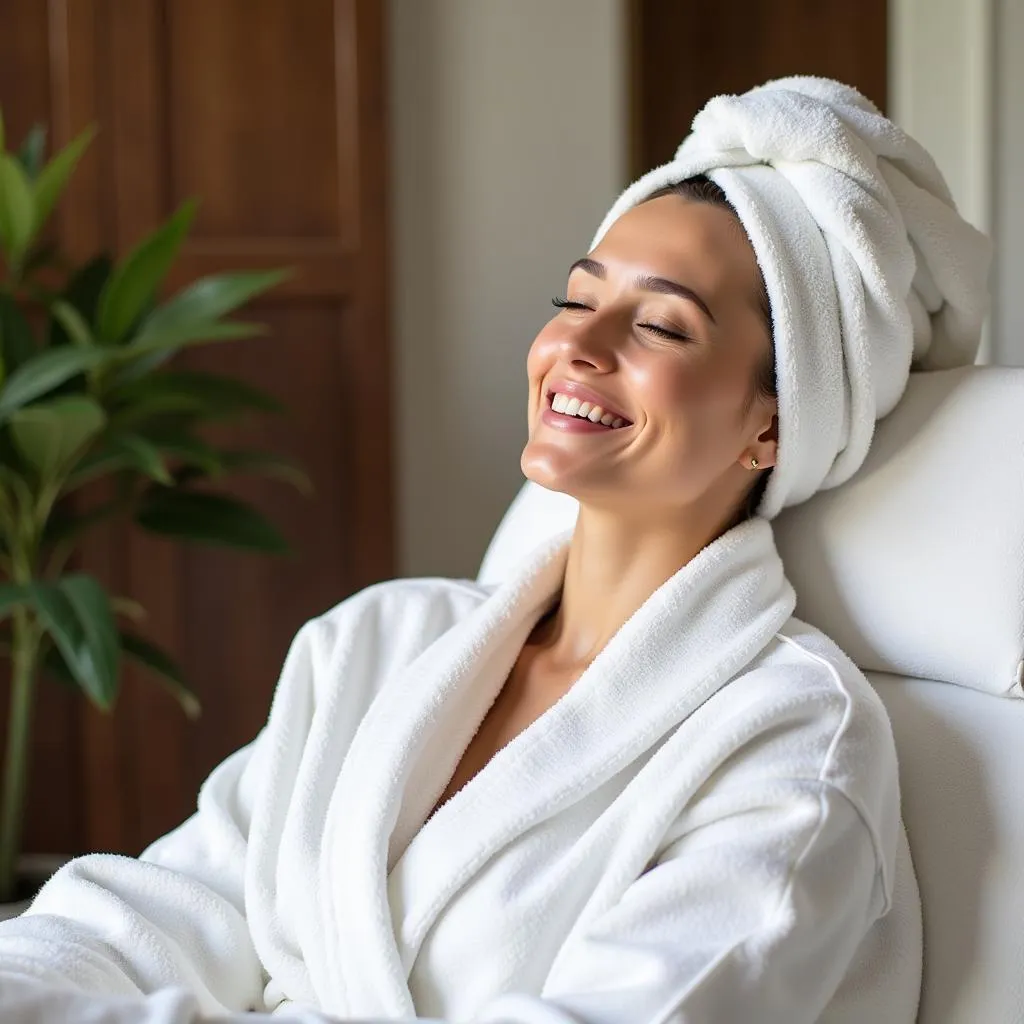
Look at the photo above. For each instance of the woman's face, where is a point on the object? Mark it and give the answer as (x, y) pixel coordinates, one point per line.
(663, 332)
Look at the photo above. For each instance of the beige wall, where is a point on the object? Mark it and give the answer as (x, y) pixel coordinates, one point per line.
(957, 84)
(1008, 336)
(508, 145)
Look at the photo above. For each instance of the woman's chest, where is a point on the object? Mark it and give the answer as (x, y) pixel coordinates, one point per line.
(529, 692)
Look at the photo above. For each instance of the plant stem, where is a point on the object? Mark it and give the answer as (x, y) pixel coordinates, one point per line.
(23, 657)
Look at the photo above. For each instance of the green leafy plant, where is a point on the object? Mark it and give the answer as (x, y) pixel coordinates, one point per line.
(89, 399)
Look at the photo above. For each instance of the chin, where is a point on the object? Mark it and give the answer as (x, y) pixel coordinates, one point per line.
(541, 475)
(547, 472)
(544, 470)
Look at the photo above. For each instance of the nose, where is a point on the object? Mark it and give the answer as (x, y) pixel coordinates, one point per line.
(591, 344)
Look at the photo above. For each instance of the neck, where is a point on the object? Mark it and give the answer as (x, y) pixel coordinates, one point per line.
(613, 567)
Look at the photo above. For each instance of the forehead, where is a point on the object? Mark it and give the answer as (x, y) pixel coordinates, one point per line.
(682, 239)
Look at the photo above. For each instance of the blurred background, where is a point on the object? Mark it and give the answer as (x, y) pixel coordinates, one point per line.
(430, 168)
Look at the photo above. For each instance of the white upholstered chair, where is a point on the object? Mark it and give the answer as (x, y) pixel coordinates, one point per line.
(915, 568)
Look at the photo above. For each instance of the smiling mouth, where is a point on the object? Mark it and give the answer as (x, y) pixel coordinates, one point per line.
(571, 407)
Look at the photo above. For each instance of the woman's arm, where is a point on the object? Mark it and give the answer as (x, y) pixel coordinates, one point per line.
(175, 916)
(753, 913)
(26, 1001)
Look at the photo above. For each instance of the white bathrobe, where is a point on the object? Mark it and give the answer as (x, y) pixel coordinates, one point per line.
(705, 828)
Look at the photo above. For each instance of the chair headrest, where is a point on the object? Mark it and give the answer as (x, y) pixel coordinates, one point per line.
(914, 566)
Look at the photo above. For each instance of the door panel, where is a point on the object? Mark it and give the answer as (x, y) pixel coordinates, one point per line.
(685, 53)
(272, 113)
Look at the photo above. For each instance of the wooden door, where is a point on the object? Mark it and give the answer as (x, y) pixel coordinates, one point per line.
(273, 114)
(683, 52)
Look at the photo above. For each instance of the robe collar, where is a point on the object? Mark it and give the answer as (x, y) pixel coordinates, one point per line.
(697, 631)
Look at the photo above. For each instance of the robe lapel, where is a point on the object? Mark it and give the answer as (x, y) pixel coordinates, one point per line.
(696, 632)
(433, 708)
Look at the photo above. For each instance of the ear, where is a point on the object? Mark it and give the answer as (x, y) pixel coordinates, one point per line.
(765, 448)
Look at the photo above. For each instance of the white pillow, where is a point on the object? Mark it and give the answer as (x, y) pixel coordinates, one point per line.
(916, 565)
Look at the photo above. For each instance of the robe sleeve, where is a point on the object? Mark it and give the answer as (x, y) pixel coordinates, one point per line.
(753, 912)
(113, 938)
(118, 926)
(28, 1001)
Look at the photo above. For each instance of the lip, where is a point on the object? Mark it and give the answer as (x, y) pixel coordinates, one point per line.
(584, 394)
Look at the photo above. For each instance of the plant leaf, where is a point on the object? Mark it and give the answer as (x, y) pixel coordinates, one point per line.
(53, 664)
(163, 667)
(46, 371)
(155, 414)
(142, 455)
(16, 208)
(30, 156)
(207, 394)
(136, 280)
(73, 323)
(174, 337)
(101, 461)
(208, 519)
(17, 345)
(129, 608)
(83, 293)
(50, 434)
(76, 613)
(54, 177)
(92, 606)
(18, 487)
(266, 464)
(155, 350)
(190, 450)
(210, 298)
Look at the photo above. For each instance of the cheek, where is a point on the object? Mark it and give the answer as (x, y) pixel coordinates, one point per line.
(695, 400)
(674, 385)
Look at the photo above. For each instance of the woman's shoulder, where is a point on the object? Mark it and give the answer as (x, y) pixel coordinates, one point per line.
(812, 714)
(826, 678)
(396, 618)
(340, 660)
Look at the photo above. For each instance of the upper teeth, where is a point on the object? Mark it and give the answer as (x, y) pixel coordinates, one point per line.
(574, 407)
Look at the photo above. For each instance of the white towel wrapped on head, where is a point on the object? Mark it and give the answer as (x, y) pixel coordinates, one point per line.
(869, 268)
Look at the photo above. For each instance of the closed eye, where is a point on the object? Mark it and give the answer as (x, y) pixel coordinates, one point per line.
(664, 332)
(569, 304)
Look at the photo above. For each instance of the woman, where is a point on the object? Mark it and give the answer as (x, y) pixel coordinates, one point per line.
(627, 785)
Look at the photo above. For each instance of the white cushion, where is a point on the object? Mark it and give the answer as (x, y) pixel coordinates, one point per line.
(914, 566)
(963, 805)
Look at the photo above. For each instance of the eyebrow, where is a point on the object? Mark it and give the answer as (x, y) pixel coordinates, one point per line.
(647, 283)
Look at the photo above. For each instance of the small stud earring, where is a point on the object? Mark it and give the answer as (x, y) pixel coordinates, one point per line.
(753, 462)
